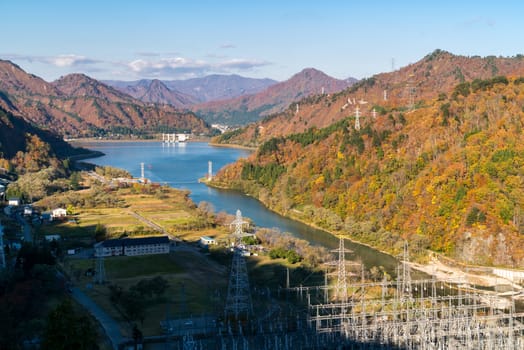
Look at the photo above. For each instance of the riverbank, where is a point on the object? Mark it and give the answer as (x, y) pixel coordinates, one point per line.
(298, 219)
(450, 272)
(443, 269)
(232, 146)
(106, 140)
(86, 155)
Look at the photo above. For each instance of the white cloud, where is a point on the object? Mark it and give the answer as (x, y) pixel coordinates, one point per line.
(177, 67)
(146, 65)
(69, 60)
(242, 64)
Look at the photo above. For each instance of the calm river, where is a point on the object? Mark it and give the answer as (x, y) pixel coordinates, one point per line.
(182, 164)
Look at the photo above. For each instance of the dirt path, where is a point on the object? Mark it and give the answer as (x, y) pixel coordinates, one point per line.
(153, 225)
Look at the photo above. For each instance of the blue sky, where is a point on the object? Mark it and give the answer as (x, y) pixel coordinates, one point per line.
(171, 39)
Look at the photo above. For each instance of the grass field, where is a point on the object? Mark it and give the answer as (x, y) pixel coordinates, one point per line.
(171, 209)
(195, 282)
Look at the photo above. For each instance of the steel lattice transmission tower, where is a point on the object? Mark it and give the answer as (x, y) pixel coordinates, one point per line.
(238, 303)
(239, 224)
(357, 118)
(404, 274)
(341, 290)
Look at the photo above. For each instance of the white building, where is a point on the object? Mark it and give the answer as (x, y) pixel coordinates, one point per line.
(28, 210)
(133, 246)
(207, 241)
(14, 202)
(182, 137)
(59, 213)
(515, 276)
(50, 238)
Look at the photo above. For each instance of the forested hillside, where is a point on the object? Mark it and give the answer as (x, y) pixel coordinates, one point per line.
(446, 176)
(79, 106)
(412, 86)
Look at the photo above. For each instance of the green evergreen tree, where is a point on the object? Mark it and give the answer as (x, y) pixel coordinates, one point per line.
(68, 328)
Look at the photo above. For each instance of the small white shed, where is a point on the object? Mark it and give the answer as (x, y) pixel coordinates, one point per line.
(14, 201)
(207, 241)
(59, 213)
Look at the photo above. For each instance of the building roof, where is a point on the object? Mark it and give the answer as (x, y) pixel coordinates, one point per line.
(110, 243)
(133, 241)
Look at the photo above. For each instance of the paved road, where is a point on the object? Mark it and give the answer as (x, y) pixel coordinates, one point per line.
(108, 323)
(98, 177)
(26, 228)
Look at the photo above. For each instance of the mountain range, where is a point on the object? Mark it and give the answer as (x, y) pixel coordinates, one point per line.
(274, 99)
(186, 93)
(78, 106)
(414, 85)
(431, 153)
(231, 99)
(438, 164)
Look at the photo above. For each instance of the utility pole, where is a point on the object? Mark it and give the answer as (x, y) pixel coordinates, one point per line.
(2, 250)
(209, 170)
(100, 271)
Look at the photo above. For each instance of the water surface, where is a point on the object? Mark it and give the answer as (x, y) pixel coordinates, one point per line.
(181, 165)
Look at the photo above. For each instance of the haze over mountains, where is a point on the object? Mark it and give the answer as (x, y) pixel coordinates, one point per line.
(274, 99)
(186, 93)
(231, 99)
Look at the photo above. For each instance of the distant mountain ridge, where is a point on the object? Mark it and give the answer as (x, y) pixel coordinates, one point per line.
(186, 93)
(274, 99)
(157, 92)
(79, 106)
(437, 73)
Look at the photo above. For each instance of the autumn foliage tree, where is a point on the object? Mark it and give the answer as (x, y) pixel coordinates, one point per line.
(447, 176)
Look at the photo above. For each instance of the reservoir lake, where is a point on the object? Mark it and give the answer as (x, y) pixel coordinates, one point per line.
(180, 165)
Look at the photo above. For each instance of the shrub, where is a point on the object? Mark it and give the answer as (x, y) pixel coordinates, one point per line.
(475, 215)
